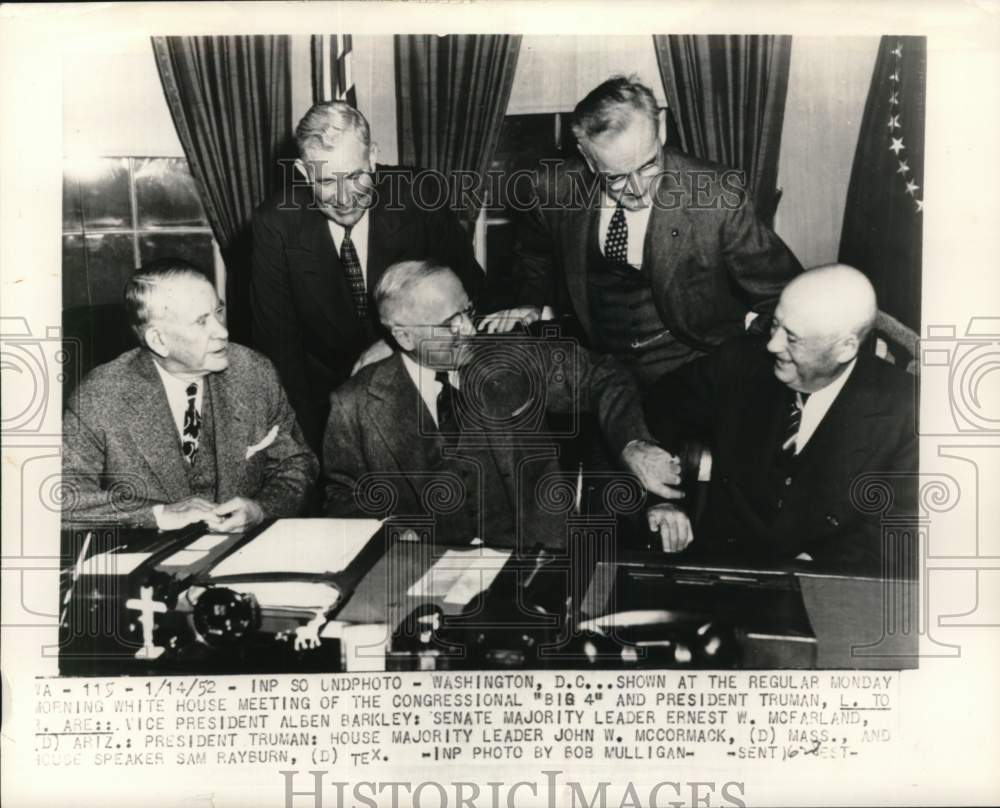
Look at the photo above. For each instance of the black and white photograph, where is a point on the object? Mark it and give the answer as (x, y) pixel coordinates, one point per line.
(419, 405)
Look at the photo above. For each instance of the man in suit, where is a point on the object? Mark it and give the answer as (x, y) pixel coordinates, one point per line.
(803, 432)
(659, 256)
(186, 428)
(453, 424)
(322, 243)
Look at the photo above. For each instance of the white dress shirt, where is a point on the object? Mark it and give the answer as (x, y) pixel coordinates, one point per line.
(359, 238)
(637, 222)
(427, 385)
(817, 405)
(176, 390)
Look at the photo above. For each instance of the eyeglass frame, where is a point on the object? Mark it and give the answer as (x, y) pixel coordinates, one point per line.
(648, 170)
(452, 323)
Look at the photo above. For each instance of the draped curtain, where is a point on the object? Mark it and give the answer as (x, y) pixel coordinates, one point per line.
(230, 99)
(451, 95)
(727, 95)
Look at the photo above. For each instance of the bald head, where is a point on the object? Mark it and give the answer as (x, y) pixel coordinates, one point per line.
(821, 320)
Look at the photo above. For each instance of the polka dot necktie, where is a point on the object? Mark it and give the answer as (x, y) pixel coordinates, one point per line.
(616, 243)
(352, 266)
(192, 424)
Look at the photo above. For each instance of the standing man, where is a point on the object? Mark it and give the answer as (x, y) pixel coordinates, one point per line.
(322, 243)
(453, 424)
(186, 428)
(803, 432)
(659, 256)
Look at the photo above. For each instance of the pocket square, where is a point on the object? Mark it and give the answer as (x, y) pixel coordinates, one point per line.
(522, 408)
(266, 441)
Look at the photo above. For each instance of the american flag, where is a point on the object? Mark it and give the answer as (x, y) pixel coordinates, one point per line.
(331, 69)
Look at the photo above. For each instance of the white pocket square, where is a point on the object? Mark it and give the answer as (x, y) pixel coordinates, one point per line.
(266, 441)
(522, 408)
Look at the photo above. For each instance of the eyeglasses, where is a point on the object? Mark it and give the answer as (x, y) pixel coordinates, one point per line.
(647, 171)
(453, 323)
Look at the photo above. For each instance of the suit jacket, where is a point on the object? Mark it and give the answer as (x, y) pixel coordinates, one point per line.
(303, 312)
(831, 503)
(122, 453)
(381, 446)
(710, 258)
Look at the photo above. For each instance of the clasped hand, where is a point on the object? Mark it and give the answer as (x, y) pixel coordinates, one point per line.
(233, 516)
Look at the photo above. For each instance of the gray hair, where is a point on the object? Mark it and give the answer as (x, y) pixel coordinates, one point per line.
(398, 282)
(325, 124)
(142, 285)
(609, 107)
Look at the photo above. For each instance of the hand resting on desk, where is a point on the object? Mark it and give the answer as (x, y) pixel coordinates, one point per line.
(673, 525)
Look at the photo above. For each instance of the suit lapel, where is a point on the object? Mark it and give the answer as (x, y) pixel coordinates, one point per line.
(154, 431)
(849, 431)
(581, 227)
(321, 271)
(387, 234)
(666, 237)
(394, 413)
(232, 422)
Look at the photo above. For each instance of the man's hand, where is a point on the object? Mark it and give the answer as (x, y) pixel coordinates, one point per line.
(500, 322)
(186, 512)
(673, 525)
(375, 352)
(655, 467)
(237, 515)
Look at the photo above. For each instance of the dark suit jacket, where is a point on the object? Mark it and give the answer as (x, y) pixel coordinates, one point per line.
(710, 257)
(380, 436)
(122, 453)
(303, 313)
(833, 509)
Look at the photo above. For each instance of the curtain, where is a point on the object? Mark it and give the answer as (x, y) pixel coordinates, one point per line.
(230, 98)
(727, 95)
(883, 217)
(451, 95)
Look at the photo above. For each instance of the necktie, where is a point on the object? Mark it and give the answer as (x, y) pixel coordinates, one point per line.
(616, 243)
(192, 424)
(446, 401)
(352, 266)
(793, 421)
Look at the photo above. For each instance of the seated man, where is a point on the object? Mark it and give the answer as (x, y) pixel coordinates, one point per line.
(446, 425)
(187, 427)
(797, 432)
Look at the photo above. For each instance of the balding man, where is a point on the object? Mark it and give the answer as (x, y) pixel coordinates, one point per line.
(454, 426)
(186, 428)
(322, 242)
(793, 424)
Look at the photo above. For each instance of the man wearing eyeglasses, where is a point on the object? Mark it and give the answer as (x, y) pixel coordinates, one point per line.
(660, 257)
(453, 424)
(322, 243)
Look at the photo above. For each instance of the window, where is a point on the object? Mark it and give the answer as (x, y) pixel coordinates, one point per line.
(122, 212)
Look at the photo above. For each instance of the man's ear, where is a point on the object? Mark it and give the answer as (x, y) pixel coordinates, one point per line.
(586, 157)
(846, 349)
(301, 168)
(372, 155)
(153, 338)
(404, 339)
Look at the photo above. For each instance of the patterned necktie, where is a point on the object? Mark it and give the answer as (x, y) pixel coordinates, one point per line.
(446, 400)
(794, 420)
(616, 243)
(192, 424)
(352, 265)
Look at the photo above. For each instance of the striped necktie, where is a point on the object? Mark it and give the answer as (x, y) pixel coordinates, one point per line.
(192, 424)
(793, 422)
(352, 266)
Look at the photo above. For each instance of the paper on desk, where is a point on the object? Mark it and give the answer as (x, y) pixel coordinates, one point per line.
(112, 563)
(307, 546)
(460, 575)
(195, 551)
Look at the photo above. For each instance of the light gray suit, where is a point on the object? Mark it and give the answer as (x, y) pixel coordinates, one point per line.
(122, 453)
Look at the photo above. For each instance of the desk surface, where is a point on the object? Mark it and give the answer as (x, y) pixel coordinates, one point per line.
(857, 622)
